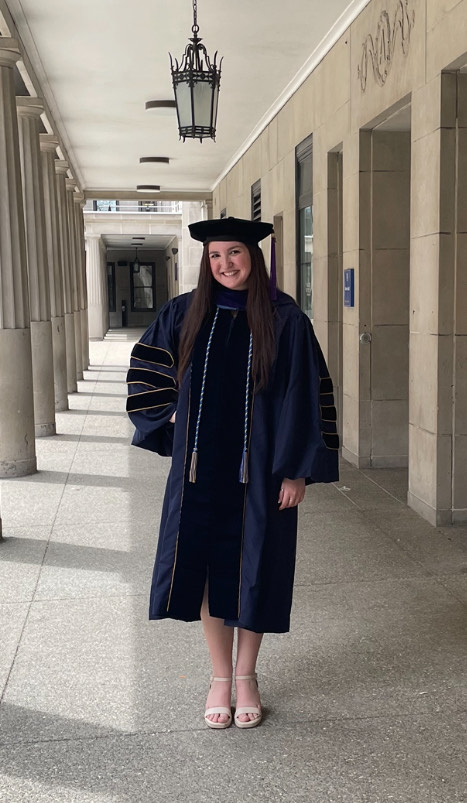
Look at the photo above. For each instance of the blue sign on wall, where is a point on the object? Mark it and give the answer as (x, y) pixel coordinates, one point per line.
(349, 295)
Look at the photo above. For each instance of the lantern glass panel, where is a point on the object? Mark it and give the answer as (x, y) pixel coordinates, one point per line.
(202, 97)
(183, 98)
(214, 105)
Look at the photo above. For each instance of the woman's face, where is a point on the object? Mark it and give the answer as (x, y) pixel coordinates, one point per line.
(230, 264)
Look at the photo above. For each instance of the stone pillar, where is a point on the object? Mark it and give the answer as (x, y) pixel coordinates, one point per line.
(459, 484)
(81, 264)
(70, 193)
(97, 288)
(61, 168)
(189, 251)
(355, 416)
(328, 278)
(29, 111)
(17, 444)
(48, 145)
(433, 299)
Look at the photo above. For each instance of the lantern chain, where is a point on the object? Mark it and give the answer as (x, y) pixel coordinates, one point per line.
(195, 27)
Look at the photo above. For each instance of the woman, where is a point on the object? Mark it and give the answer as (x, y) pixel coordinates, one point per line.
(230, 381)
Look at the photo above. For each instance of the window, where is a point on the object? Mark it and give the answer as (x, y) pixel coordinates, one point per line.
(256, 200)
(111, 286)
(153, 206)
(142, 281)
(304, 199)
(105, 206)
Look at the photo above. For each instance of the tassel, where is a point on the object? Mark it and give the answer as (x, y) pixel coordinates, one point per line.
(193, 466)
(244, 468)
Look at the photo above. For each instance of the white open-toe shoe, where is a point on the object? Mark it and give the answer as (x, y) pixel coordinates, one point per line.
(219, 709)
(248, 709)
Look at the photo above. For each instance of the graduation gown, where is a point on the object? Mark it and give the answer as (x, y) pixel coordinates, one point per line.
(218, 528)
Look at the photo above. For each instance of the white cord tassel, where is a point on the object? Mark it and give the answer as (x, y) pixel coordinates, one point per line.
(194, 456)
(243, 473)
(193, 466)
(244, 468)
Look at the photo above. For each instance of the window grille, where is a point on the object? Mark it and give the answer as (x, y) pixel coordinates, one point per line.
(142, 283)
(304, 213)
(256, 200)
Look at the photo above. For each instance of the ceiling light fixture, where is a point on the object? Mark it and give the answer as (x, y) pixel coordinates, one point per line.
(154, 159)
(148, 188)
(160, 105)
(196, 86)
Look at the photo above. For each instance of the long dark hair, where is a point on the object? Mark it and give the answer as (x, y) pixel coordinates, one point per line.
(259, 312)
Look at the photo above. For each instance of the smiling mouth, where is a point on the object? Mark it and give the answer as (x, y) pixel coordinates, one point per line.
(230, 273)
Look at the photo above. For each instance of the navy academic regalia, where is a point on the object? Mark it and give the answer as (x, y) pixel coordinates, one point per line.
(220, 528)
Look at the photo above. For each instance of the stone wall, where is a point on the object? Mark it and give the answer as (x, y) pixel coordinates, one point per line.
(389, 153)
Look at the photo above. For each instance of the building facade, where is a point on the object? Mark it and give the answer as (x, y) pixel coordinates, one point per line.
(384, 116)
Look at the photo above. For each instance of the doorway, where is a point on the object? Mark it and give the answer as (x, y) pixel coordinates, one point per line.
(384, 287)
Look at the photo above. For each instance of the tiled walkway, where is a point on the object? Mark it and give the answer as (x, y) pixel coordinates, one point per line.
(365, 699)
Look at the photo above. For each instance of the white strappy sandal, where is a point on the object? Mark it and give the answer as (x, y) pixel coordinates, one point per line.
(219, 709)
(248, 709)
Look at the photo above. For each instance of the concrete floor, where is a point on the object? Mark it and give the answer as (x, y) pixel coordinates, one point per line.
(365, 698)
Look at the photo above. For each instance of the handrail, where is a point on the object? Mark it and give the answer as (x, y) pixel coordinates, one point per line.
(130, 207)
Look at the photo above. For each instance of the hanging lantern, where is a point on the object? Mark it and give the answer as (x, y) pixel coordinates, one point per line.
(196, 86)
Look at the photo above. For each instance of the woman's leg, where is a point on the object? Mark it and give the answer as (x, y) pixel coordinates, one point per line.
(248, 645)
(219, 639)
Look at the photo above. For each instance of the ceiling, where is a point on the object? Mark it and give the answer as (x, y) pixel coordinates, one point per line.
(158, 242)
(96, 63)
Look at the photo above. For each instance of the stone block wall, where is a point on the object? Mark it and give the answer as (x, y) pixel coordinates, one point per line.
(389, 154)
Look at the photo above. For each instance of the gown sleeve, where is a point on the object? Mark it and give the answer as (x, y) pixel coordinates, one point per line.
(152, 384)
(307, 443)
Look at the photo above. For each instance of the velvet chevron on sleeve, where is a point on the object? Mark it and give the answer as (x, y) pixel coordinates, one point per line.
(152, 384)
(307, 442)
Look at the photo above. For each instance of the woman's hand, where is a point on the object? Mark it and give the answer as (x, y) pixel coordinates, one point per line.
(292, 492)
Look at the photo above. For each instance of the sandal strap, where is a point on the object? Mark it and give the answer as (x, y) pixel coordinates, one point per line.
(218, 709)
(225, 680)
(246, 677)
(248, 709)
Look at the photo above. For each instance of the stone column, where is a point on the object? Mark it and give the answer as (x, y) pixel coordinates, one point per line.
(17, 444)
(189, 251)
(29, 111)
(355, 414)
(61, 168)
(97, 288)
(70, 193)
(82, 294)
(48, 145)
(433, 299)
(459, 452)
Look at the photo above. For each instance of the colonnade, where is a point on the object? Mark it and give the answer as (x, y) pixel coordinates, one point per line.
(44, 344)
